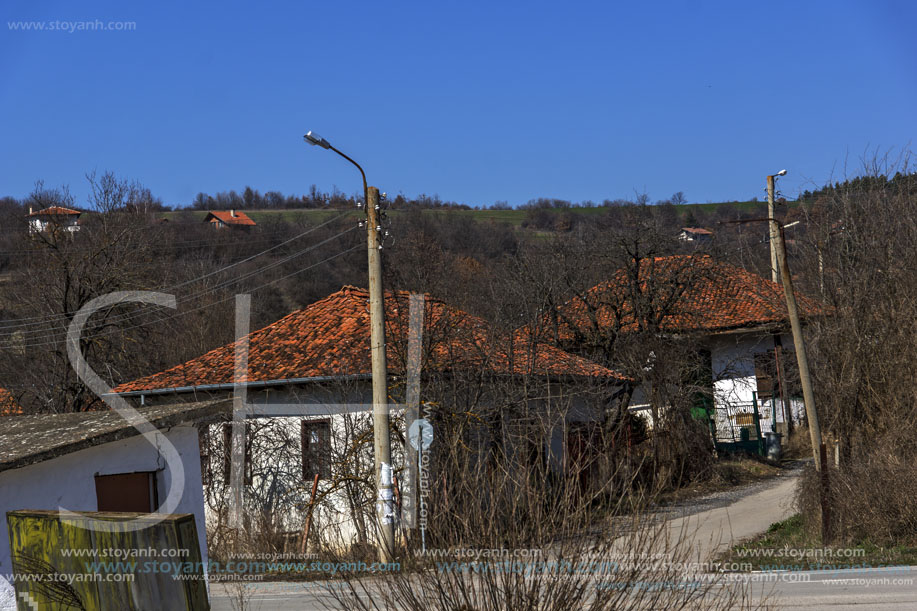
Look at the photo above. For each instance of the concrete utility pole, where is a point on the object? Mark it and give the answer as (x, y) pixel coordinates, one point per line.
(807, 393)
(385, 505)
(773, 230)
(772, 215)
(382, 448)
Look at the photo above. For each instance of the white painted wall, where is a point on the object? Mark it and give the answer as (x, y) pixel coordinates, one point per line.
(68, 481)
(734, 374)
(333, 520)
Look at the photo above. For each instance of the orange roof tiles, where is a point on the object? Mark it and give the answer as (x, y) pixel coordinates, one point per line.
(331, 338)
(231, 217)
(688, 293)
(8, 404)
(697, 230)
(56, 211)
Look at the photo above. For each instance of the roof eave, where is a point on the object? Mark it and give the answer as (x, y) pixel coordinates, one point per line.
(233, 385)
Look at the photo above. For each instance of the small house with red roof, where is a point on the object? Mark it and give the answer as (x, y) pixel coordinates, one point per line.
(306, 381)
(234, 219)
(698, 235)
(736, 319)
(54, 218)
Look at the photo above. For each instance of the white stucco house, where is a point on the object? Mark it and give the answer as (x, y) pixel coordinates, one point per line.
(735, 320)
(698, 235)
(307, 388)
(54, 218)
(96, 461)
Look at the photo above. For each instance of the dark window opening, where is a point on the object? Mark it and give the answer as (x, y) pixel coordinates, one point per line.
(316, 449)
(133, 492)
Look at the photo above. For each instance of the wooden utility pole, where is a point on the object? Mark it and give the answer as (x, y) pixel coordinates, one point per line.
(382, 449)
(798, 343)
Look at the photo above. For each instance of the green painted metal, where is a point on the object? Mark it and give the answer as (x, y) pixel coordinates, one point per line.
(68, 580)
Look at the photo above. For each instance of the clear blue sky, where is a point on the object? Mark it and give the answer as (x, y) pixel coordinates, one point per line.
(475, 102)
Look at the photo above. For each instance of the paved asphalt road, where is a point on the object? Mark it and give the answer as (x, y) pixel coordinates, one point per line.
(737, 515)
(718, 521)
(845, 590)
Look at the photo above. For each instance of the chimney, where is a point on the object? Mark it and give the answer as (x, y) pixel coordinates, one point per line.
(30, 209)
(232, 213)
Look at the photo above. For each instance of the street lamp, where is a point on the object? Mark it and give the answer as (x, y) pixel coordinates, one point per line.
(382, 449)
(771, 213)
(316, 140)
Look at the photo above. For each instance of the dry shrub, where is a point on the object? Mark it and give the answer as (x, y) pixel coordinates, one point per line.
(546, 539)
(870, 500)
(862, 242)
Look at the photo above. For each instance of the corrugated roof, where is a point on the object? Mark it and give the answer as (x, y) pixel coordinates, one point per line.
(330, 338)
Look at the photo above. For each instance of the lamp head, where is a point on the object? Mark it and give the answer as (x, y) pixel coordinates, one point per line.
(316, 140)
(781, 173)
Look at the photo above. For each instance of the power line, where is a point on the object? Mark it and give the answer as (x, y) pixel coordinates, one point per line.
(199, 308)
(15, 322)
(54, 331)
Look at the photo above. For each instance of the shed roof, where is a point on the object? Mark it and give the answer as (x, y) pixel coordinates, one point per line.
(26, 440)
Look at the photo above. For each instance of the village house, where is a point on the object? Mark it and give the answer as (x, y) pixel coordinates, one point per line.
(221, 219)
(308, 392)
(98, 462)
(736, 321)
(698, 235)
(55, 218)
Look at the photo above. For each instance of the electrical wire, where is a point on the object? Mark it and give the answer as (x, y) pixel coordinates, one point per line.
(15, 322)
(197, 309)
(55, 331)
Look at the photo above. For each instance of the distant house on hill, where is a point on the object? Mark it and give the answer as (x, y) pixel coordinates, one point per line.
(695, 234)
(220, 219)
(54, 218)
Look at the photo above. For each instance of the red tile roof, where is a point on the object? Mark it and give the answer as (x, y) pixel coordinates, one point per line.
(331, 338)
(56, 211)
(227, 217)
(8, 404)
(697, 230)
(689, 293)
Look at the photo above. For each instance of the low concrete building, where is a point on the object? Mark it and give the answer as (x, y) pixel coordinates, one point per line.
(97, 461)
